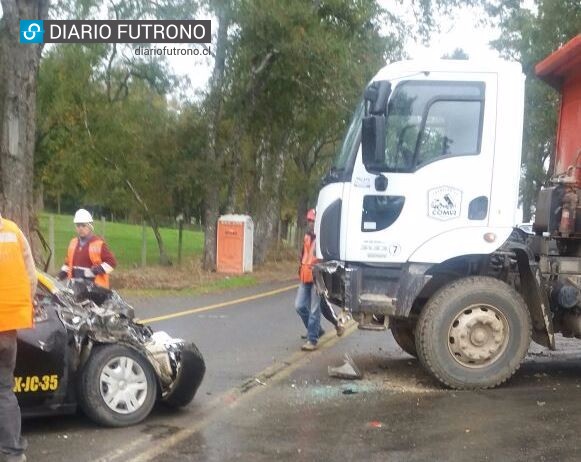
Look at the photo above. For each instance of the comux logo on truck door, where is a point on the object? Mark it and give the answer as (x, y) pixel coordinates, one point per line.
(444, 203)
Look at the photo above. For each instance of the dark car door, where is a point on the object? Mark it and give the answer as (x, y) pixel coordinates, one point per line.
(41, 375)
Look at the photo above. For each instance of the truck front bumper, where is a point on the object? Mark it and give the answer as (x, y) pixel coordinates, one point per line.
(390, 290)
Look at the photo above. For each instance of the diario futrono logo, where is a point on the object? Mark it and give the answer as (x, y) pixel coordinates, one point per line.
(115, 31)
(31, 31)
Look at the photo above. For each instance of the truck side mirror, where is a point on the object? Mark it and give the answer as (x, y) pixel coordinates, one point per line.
(373, 129)
(373, 142)
(376, 95)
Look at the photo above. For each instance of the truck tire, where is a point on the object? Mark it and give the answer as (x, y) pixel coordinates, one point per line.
(117, 386)
(473, 333)
(403, 333)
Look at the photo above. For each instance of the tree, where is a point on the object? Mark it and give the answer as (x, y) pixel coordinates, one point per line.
(287, 78)
(214, 156)
(18, 74)
(112, 151)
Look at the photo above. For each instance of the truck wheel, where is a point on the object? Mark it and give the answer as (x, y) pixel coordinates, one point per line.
(117, 386)
(473, 333)
(403, 333)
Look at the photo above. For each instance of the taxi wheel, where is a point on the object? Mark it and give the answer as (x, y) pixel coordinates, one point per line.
(192, 372)
(117, 386)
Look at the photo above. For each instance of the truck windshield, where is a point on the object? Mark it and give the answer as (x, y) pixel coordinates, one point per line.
(350, 141)
(428, 120)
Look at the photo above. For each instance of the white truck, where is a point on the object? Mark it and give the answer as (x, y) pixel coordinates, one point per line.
(416, 218)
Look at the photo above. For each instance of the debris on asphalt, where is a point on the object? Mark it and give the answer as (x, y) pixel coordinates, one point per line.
(541, 403)
(350, 391)
(348, 370)
(375, 424)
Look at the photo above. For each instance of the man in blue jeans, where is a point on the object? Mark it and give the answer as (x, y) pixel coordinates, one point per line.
(308, 303)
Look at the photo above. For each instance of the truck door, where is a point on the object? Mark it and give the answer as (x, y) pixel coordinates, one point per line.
(437, 175)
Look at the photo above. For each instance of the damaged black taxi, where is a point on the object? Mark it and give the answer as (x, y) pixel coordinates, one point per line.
(87, 350)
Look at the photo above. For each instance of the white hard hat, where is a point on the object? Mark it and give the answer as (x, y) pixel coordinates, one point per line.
(82, 216)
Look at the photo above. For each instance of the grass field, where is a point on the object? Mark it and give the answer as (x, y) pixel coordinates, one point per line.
(125, 241)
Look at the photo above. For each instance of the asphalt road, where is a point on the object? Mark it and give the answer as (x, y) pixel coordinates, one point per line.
(263, 399)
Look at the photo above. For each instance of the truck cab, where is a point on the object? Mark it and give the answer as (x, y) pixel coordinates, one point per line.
(422, 192)
(445, 185)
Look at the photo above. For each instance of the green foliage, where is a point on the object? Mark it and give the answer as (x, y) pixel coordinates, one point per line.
(81, 129)
(125, 240)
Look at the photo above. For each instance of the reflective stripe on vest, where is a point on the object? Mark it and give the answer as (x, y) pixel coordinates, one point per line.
(308, 259)
(15, 301)
(95, 257)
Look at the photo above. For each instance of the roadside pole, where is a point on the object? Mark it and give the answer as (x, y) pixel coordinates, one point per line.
(51, 243)
(180, 233)
(144, 245)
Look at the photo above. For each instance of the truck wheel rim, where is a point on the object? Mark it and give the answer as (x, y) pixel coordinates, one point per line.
(478, 336)
(123, 385)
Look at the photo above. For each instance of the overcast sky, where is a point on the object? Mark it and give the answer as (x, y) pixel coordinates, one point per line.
(458, 31)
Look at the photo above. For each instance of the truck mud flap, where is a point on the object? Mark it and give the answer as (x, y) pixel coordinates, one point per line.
(537, 301)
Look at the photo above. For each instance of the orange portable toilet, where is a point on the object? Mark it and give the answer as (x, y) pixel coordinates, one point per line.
(235, 241)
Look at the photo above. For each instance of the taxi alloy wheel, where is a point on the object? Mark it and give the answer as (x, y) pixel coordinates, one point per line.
(118, 386)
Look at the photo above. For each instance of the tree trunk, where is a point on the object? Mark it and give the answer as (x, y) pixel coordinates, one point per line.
(213, 153)
(302, 207)
(163, 258)
(254, 87)
(234, 174)
(268, 213)
(18, 75)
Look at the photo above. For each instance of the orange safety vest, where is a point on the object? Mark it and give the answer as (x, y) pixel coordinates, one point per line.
(15, 297)
(308, 259)
(95, 256)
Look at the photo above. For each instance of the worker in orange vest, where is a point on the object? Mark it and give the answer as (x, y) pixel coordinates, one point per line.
(308, 303)
(17, 289)
(88, 256)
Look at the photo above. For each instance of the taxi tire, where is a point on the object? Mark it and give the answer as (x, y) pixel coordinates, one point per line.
(90, 398)
(185, 389)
